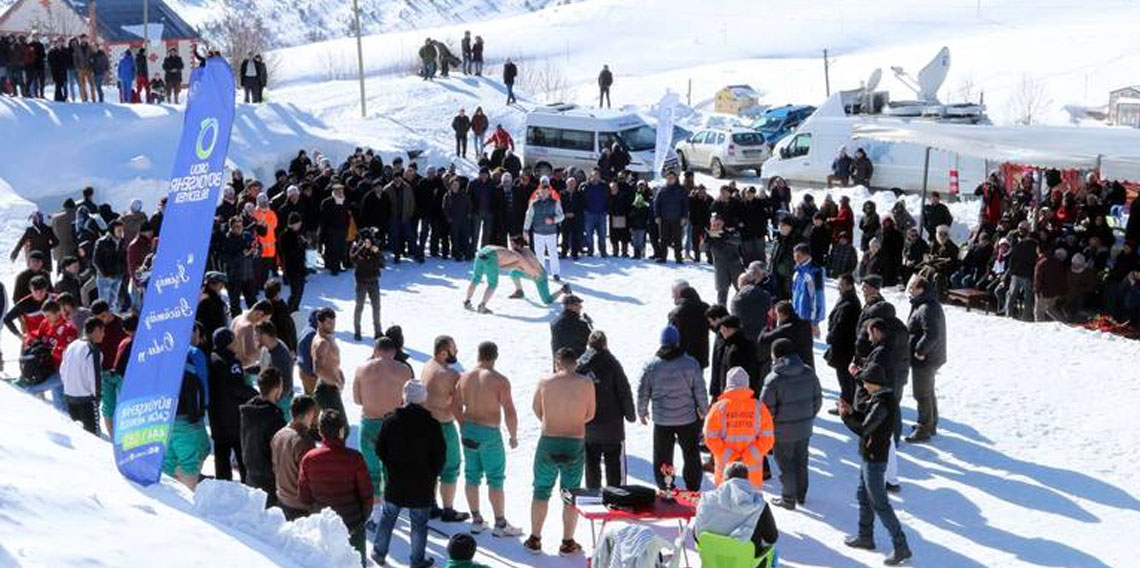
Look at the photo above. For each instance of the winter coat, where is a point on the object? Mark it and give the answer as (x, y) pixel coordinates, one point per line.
(510, 71)
(783, 264)
(873, 420)
(612, 395)
(727, 264)
(798, 331)
(1023, 258)
(461, 124)
(735, 508)
(689, 319)
(126, 70)
(842, 260)
(37, 237)
(367, 262)
(110, 257)
(137, 252)
(793, 396)
(63, 227)
(861, 171)
(172, 65)
(597, 197)
(412, 449)
(819, 241)
(538, 211)
(842, 323)
(737, 351)
(292, 250)
(807, 293)
(260, 420)
(100, 63)
(479, 124)
(927, 327)
(570, 330)
(403, 199)
(457, 206)
(213, 314)
(335, 476)
(228, 391)
(671, 203)
(605, 78)
(1050, 279)
(937, 214)
(739, 428)
(672, 382)
(289, 445)
(751, 304)
(282, 320)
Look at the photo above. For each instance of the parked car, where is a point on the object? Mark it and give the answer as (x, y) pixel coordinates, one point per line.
(778, 122)
(723, 151)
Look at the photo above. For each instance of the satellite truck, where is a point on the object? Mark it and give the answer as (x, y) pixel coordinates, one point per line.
(804, 157)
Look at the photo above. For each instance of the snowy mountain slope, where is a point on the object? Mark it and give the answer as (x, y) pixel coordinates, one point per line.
(1074, 52)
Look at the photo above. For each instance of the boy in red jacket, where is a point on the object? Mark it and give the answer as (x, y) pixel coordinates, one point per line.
(56, 330)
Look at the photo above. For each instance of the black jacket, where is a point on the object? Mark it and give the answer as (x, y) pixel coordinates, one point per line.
(368, 262)
(292, 251)
(282, 320)
(842, 325)
(738, 352)
(228, 391)
(875, 308)
(927, 327)
(260, 420)
(570, 330)
(613, 396)
(213, 314)
(873, 420)
(751, 305)
(39, 237)
(798, 331)
(412, 449)
(510, 71)
(689, 319)
(110, 257)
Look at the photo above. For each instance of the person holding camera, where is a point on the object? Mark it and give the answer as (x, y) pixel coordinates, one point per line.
(368, 259)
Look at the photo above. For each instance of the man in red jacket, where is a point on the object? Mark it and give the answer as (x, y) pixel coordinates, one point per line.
(335, 476)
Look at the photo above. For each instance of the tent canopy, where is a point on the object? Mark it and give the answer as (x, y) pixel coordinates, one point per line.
(1116, 151)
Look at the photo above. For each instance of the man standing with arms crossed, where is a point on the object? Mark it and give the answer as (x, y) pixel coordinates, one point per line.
(564, 403)
(379, 389)
(326, 363)
(482, 392)
(442, 384)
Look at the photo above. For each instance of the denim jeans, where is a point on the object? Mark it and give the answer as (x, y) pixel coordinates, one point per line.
(72, 85)
(596, 225)
(99, 78)
(108, 289)
(367, 291)
(638, 243)
(1020, 288)
(418, 536)
(402, 238)
(873, 501)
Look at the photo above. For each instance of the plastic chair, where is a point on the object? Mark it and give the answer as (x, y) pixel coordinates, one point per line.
(719, 551)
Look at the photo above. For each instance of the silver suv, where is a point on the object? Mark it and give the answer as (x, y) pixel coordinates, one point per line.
(723, 151)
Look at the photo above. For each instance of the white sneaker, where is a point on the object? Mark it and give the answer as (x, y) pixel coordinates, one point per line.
(506, 530)
(478, 526)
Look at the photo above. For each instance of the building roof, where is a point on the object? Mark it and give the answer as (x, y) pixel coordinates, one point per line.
(122, 20)
(1125, 88)
(743, 91)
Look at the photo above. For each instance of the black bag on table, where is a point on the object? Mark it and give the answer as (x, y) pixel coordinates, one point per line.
(629, 496)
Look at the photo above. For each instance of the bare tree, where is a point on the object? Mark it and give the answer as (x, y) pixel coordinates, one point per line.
(241, 36)
(1029, 101)
(544, 80)
(965, 92)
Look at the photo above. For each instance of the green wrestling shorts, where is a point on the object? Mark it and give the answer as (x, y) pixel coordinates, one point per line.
(484, 455)
(189, 445)
(109, 392)
(486, 265)
(450, 473)
(369, 432)
(555, 458)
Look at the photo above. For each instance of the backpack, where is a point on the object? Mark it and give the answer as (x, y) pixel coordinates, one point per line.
(628, 496)
(35, 362)
(191, 398)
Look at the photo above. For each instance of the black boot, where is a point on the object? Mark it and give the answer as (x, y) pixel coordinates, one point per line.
(863, 542)
(900, 556)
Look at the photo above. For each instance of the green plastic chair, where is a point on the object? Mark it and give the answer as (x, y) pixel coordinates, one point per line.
(719, 551)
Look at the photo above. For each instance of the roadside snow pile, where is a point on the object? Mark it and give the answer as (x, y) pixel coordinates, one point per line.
(63, 503)
(310, 541)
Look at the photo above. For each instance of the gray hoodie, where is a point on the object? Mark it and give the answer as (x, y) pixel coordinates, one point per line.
(792, 394)
(733, 509)
(672, 381)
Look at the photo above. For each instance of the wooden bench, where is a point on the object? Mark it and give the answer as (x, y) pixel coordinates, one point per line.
(970, 297)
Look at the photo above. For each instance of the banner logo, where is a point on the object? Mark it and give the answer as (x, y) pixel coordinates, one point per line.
(209, 127)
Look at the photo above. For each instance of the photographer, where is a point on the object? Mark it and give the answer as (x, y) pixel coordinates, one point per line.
(368, 259)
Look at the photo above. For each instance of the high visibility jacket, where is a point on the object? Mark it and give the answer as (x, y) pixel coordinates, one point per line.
(268, 241)
(739, 428)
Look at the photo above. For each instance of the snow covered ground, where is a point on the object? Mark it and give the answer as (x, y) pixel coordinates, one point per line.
(1034, 462)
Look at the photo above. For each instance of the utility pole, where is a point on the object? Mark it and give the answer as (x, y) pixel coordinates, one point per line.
(826, 75)
(146, 22)
(359, 58)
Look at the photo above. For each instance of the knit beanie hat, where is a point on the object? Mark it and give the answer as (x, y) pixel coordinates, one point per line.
(670, 336)
(414, 392)
(737, 378)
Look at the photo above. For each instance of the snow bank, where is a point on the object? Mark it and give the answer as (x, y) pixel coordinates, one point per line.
(127, 151)
(310, 541)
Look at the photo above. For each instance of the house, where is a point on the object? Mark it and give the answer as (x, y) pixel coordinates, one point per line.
(736, 99)
(1124, 106)
(115, 24)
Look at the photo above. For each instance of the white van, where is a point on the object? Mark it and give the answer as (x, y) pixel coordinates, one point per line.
(564, 135)
(804, 157)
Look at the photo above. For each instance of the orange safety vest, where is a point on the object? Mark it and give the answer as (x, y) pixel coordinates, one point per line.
(739, 428)
(268, 241)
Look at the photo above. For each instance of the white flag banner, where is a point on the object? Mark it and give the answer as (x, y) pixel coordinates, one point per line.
(664, 130)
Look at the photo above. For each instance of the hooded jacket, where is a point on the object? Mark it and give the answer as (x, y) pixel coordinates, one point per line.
(735, 509)
(793, 396)
(672, 382)
(612, 395)
(260, 420)
(927, 327)
(873, 420)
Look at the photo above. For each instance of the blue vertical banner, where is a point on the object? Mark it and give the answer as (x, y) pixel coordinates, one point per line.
(149, 399)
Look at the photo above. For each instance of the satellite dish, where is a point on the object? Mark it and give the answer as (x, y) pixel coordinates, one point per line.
(873, 81)
(931, 77)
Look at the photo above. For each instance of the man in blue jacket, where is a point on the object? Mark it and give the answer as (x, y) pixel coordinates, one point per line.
(597, 203)
(671, 208)
(126, 73)
(807, 288)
